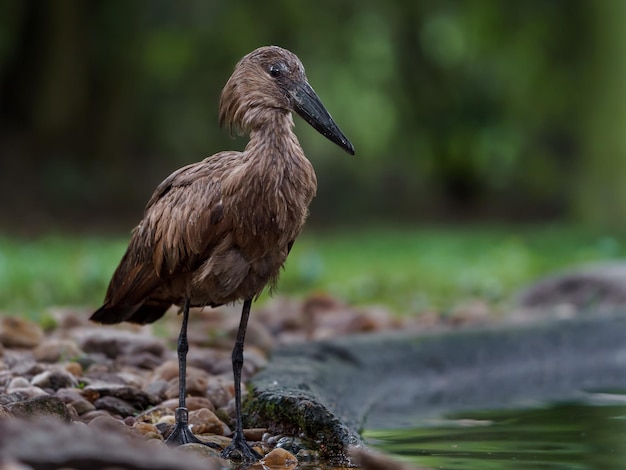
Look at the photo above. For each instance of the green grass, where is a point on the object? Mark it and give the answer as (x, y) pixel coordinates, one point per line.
(409, 270)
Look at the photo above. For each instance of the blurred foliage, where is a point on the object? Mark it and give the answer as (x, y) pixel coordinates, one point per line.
(458, 109)
(410, 271)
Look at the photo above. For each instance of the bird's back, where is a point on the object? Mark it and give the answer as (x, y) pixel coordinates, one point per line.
(215, 231)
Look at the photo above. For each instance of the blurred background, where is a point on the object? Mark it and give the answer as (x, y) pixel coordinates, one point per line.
(489, 137)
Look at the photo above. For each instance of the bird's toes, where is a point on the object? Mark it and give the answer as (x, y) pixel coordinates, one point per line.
(240, 450)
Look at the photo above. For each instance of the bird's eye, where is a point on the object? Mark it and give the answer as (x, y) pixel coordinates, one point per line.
(275, 70)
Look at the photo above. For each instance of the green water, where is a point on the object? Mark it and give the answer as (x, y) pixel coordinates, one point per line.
(564, 436)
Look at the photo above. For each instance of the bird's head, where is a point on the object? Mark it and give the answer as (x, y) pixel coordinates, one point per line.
(270, 80)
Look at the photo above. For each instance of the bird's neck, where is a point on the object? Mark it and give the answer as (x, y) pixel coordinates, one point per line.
(276, 161)
(274, 139)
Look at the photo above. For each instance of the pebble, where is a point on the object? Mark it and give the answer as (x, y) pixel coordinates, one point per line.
(55, 350)
(115, 342)
(40, 406)
(125, 379)
(148, 430)
(201, 450)
(204, 421)
(17, 383)
(220, 390)
(280, 458)
(74, 368)
(115, 405)
(197, 381)
(193, 403)
(54, 379)
(20, 333)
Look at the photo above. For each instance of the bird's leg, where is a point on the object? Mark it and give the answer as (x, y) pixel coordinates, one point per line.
(182, 433)
(239, 444)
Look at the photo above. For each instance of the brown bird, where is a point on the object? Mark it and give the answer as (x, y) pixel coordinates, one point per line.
(219, 231)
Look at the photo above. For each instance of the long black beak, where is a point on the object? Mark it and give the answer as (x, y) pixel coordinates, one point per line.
(308, 105)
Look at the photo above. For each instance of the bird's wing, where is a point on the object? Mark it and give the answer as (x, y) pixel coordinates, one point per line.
(184, 218)
(182, 221)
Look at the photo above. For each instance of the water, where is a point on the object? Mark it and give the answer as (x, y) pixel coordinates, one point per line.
(573, 436)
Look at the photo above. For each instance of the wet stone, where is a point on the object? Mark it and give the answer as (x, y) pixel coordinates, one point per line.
(280, 458)
(254, 434)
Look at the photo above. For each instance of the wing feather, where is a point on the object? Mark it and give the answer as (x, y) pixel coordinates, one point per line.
(182, 222)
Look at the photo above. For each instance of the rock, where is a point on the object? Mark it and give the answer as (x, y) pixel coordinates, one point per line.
(115, 342)
(16, 383)
(157, 388)
(197, 381)
(254, 434)
(204, 421)
(596, 285)
(40, 406)
(257, 334)
(89, 416)
(167, 371)
(68, 395)
(21, 364)
(203, 451)
(83, 406)
(55, 350)
(142, 360)
(193, 403)
(220, 390)
(280, 458)
(21, 394)
(20, 333)
(81, 447)
(74, 368)
(212, 360)
(134, 396)
(115, 405)
(54, 379)
(108, 423)
(148, 430)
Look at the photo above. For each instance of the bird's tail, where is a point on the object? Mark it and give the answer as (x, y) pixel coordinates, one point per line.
(109, 314)
(148, 312)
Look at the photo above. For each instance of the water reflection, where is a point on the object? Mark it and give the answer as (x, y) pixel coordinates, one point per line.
(564, 436)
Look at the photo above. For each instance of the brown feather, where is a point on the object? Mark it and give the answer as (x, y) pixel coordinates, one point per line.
(220, 230)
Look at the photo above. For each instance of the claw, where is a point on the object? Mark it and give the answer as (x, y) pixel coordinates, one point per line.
(182, 434)
(240, 450)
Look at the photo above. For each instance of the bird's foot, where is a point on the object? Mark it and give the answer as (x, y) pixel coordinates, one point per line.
(240, 450)
(182, 433)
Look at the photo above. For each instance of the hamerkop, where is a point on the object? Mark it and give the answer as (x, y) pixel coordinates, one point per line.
(219, 231)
